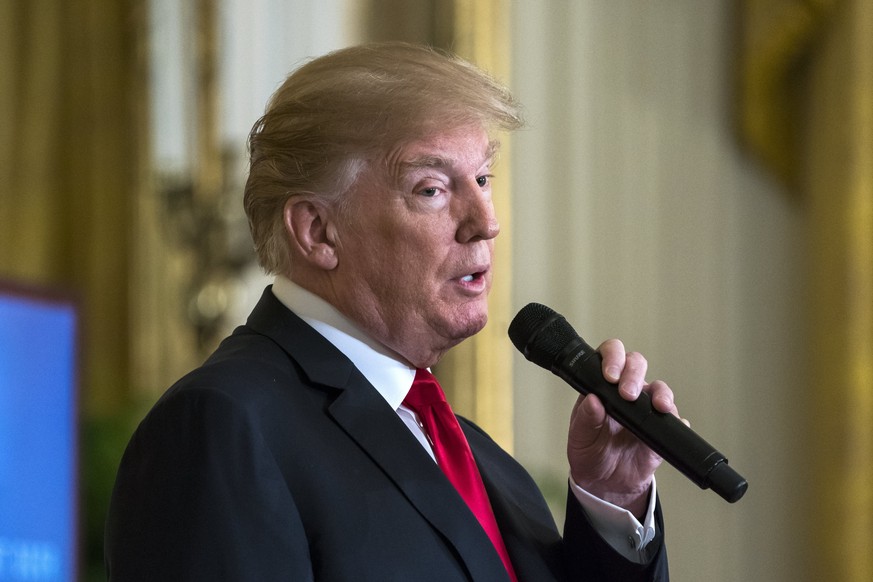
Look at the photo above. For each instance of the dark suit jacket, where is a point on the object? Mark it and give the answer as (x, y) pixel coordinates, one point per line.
(277, 460)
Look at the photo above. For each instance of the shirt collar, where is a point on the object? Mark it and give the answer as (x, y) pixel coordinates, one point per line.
(389, 376)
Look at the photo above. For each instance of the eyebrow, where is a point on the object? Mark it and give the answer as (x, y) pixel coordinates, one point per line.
(424, 162)
(441, 162)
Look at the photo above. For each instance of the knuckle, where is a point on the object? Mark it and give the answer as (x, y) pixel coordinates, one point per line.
(637, 359)
(612, 345)
(661, 385)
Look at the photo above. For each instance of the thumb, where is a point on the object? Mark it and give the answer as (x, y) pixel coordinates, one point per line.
(586, 421)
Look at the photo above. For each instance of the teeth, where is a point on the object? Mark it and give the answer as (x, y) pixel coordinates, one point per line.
(467, 279)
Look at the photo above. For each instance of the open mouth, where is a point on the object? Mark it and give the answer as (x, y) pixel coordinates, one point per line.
(472, 277)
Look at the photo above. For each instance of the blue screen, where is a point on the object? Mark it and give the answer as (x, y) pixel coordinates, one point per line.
(38, 439)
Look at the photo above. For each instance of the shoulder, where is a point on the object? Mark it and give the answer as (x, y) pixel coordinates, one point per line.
(249, 385)
(245, 368)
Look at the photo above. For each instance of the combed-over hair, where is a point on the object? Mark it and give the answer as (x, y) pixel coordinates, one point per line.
(338, 112)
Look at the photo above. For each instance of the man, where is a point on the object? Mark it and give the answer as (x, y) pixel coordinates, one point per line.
(296, 452)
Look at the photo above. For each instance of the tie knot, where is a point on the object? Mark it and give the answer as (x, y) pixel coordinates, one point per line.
(425, 391)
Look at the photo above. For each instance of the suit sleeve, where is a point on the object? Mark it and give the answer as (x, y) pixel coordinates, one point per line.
(198, 497)
(590, 557)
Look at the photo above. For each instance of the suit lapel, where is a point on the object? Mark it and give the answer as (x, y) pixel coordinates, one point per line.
(386, 440)
(522, 514)
(365, 416)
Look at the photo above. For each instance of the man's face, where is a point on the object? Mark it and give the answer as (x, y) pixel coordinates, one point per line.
(415, 248)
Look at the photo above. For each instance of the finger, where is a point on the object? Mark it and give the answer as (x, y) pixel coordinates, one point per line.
(633, 377)
(663, 399)
(614, 358)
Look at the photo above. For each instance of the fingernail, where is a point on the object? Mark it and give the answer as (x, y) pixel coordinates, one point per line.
(612, 373)
(629, 389)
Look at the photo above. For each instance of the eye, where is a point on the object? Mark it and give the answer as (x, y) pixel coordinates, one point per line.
(484, 180)
(430, 192)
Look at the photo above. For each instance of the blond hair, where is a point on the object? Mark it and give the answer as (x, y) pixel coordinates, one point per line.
(336, 113)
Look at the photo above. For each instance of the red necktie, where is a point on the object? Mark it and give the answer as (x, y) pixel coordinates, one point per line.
(453, 454)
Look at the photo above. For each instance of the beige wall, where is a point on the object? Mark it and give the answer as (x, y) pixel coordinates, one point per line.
(636, 216)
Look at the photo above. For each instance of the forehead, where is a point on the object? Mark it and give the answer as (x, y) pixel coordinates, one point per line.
(461, 150)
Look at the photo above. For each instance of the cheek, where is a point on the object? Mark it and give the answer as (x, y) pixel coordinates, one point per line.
(410, 251)
(401, 259)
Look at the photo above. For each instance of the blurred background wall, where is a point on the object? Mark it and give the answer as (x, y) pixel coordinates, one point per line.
(695, 178)
(639, 216)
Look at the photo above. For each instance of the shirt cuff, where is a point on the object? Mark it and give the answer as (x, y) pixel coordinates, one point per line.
(617, 526)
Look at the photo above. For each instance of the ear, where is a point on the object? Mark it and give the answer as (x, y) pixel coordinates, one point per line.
(311, 232)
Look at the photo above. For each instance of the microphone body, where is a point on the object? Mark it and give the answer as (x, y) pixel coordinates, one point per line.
(546, 339)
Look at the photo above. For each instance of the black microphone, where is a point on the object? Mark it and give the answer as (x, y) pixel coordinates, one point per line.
(546, 339)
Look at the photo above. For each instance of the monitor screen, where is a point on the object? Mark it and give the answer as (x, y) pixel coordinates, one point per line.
(38, 436)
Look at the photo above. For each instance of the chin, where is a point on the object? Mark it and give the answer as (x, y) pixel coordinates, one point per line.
(449, 333)
(470, 324)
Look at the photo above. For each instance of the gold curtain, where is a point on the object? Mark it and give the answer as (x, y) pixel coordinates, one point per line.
(827, 87)
(477, 375)
(70, 116)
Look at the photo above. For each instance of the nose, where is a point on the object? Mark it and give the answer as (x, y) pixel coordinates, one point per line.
(477, 218)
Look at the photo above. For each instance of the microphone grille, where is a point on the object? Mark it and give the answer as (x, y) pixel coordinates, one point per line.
(540, 333)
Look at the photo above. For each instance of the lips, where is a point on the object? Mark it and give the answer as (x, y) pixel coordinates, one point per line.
(472, 273)
(475, 280)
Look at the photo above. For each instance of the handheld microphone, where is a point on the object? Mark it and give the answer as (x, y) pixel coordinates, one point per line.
(546, 339)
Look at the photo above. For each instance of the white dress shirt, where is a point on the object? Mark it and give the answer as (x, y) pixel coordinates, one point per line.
(393, 379)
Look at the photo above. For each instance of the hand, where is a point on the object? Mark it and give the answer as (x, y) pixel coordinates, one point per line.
(605, 459)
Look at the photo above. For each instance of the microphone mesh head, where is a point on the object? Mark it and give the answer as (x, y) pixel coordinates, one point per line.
(540, 333)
